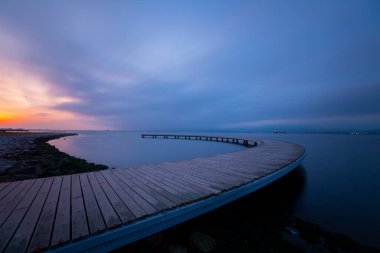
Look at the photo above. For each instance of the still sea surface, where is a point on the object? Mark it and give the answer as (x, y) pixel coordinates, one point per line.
(341, 188)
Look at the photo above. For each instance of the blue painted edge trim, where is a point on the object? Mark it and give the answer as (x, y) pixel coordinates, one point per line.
(129, 233)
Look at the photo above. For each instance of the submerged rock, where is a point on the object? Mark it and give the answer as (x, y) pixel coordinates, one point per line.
(202, 242)
(177, 249)
(332, 242)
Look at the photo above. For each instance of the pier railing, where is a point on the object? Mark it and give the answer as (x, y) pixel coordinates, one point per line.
(232, 140)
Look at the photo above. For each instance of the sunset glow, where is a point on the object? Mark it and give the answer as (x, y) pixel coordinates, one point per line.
(28, 100)
(6, 117)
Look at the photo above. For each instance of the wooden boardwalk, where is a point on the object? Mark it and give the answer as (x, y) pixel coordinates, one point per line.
(101, 211)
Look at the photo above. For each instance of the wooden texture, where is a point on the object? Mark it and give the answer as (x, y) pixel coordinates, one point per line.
(43, 214)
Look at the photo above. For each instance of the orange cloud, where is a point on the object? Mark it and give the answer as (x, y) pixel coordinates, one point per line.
(7, 117)
(27, 100)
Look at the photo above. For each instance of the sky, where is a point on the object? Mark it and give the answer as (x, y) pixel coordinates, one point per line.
(190, 65)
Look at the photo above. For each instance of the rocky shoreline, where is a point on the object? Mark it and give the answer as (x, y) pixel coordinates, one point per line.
(28, 155)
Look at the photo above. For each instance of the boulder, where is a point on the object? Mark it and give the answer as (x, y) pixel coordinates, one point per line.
(202, 242)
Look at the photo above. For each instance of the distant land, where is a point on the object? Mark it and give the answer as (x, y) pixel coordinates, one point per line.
(277, 131)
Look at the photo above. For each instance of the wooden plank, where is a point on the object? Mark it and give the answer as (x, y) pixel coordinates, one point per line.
(187, 168)
(146, 196)
(172, 195)
(109, 215)
(195, 191)
(150, 192)
(9, 227)
(94, 216)
(220, 174)
(148, 208)
(24, 232)
(226, 168)
(13, 198)
(128, 201)
(9, 188)
(3, 185)
(122, 210)
(156, 178)
(62, 222)
(79, 225)
(213, 172)
(12, 194)
(200, 185)
(42, 234)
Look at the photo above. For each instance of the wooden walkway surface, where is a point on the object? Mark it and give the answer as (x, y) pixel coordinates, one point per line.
(100, 211)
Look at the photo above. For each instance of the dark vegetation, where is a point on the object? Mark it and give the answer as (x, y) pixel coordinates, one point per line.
(40, 159)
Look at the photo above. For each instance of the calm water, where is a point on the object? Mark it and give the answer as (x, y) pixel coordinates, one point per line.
(341, 191)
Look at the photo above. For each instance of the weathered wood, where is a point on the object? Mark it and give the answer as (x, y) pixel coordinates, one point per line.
(128, 201)
(166, 191)
(8, 189)
(9, 227)
(13, 198)
(122, 210)
(193, 191)
(20, 240)
(168, 181)
(79, 225)
(151, 189)
(62, 222)
(109, 215)
(3, 185)
(145, 205)
(42, 234)
(94, 216)
(190, 184)
(151, 199)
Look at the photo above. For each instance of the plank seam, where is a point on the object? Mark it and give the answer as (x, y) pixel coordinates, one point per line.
(39, 215)
(18, 225)
(96, 200)
(55, 213)
(109, 201)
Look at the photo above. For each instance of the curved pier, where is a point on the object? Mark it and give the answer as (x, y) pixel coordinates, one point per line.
(234, 140)
(101, 211)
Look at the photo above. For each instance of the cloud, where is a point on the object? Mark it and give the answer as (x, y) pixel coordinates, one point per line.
(369, 121)
(178, 66)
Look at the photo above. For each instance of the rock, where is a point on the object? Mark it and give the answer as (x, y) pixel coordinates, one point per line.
(202, 242)
(292, 230)
(177, 249)
(156, 240)
(5, 165)
(310, 232)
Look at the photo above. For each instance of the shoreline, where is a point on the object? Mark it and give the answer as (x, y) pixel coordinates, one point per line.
(28, 155)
